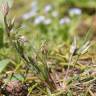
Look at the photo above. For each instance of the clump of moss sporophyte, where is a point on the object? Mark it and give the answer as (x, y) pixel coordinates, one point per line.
(14, 88)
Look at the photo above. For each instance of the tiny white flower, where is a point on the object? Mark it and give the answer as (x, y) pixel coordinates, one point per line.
(48, 8)
(47, 21)
(64, 20)
(75, 11)
(39, 19)
(55, 14)
(23, 26)
(23, 39)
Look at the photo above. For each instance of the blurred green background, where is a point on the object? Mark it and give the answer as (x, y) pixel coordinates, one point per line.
(55, 20)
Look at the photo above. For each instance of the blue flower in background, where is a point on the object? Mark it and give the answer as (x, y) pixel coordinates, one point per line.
(39, 19)
(75, 11)
(28, 15)
(48, 8)
(32, 12)
(34, 6)
(64, 20)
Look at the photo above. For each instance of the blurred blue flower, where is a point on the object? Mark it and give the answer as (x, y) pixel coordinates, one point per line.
(48, 8)
(39, 19)
(34, 6)
(64, 20)
(75, 11)
(29, 15)
(32, 12)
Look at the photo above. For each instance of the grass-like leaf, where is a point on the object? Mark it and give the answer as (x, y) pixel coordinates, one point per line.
(3, 64)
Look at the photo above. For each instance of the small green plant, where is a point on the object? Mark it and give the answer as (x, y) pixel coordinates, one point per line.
(45, 71)
(38, 65)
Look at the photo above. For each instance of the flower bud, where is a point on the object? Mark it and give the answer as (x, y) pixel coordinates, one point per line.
(5, 8)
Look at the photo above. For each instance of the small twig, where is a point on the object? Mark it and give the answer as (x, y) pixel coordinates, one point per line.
(70, 60)
(91, 93)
